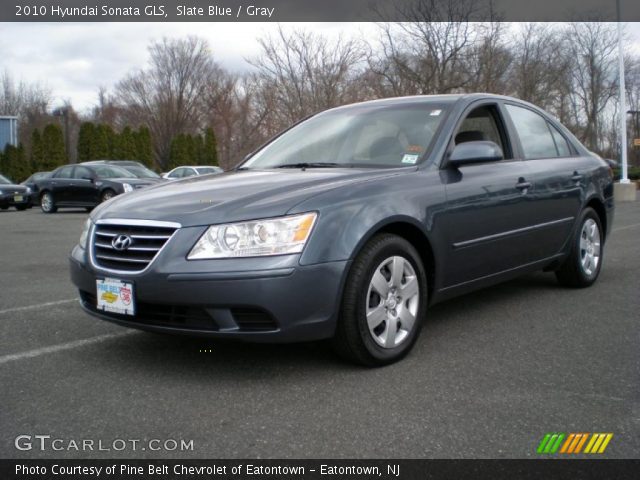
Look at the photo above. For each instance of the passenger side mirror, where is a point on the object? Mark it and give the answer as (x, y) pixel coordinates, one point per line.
(91, 179)
(475, 152)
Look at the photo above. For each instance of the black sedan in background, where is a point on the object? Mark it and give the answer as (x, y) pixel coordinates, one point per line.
(12, 195)
(31, 184)
(86, 185)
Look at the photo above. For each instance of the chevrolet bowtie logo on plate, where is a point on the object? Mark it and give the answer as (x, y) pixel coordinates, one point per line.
(121, 242)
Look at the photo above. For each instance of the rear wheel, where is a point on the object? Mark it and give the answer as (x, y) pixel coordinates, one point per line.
(47, 204)
(582, 266)
(384, 303)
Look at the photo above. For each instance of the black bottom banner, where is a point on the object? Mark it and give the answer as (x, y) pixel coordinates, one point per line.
(318, 469)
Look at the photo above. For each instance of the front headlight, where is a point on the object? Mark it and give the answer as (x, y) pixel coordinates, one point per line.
(28, 190)
(85, 233)
(273, 236)
(127, 187)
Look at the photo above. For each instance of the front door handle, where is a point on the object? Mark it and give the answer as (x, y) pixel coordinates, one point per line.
(523, 185)
(576, 177)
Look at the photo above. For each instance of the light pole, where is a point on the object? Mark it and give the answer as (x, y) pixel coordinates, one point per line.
(623, 110)
(64, 113)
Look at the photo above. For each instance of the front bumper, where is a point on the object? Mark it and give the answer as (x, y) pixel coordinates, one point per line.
(15, 199)
(285, 303)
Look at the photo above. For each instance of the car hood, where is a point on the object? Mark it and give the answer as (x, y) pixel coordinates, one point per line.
(232, 196)
(12, 188)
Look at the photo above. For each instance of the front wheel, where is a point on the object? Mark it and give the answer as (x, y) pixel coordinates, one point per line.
(47, 203)
(108, 194)
(582, 266)
(384, 302)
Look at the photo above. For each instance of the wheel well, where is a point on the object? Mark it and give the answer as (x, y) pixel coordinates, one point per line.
(598, 206)
(42, 192)
(420, 242)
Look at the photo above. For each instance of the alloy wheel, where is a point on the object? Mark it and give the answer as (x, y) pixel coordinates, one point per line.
(589, 247)
(392, 300)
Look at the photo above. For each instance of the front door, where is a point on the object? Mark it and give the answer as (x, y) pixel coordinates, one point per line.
(489, 206)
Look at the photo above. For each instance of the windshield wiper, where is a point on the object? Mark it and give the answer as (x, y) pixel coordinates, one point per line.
(304, 165)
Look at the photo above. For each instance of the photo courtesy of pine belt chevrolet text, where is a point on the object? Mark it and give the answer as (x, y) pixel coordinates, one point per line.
(351, 224)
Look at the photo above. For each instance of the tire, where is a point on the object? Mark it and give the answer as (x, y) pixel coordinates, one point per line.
(4, 208)
(108, 194)
(22, 208)
(372, 345)
(582, 266)
(47, 204)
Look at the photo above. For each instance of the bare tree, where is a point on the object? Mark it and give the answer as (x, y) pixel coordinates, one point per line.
(167, 95)
(303, 72)
(541, 67)
(593, 76)
(429, 53)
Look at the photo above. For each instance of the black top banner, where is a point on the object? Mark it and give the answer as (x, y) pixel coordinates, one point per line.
(316, 10)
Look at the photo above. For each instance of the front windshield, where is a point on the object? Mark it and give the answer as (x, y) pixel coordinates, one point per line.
(369, 135)
(4, 180)
(111, 171)
(142, 172)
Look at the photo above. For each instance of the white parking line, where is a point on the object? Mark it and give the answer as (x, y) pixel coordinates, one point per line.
(61, 347)
(39, 305)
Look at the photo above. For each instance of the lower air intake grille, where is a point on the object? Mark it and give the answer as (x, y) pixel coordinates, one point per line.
(128, 248)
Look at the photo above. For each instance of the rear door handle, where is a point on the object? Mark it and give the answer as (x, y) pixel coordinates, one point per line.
(523, 184)
(576, 177)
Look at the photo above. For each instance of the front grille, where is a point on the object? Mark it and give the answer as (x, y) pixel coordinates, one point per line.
(146, 242)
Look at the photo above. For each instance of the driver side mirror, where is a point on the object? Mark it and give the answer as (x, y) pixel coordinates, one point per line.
(91, 179)
(475, 152)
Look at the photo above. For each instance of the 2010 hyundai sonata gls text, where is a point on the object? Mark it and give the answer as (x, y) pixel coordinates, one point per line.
(351, 224)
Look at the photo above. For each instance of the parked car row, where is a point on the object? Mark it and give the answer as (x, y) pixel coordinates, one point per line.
(87, 184)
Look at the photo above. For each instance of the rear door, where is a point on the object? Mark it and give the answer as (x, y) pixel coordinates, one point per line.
(557, 174)
(489, 205)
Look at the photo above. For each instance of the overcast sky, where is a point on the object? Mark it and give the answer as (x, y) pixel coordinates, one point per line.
(75, 59)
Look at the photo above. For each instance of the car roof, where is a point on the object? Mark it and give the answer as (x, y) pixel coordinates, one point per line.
(441, 99)
(130, 163)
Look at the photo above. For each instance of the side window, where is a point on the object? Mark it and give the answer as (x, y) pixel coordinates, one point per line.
(65, 172)
(189, 172)
(82, 173)
(176, 173)
(561, 142)
(480, 124)
(533, 131)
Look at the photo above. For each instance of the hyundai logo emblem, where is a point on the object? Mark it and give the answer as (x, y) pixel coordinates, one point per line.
(121, 242)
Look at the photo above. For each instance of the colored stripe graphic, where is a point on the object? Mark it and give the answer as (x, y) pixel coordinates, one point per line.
(598, 443)
(572, 443)
(550, 443)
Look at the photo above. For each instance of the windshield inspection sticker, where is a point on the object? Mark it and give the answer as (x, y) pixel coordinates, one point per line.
(410, 158)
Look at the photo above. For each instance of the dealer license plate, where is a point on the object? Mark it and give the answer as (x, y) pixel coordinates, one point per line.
(115, 296)
(18, 198)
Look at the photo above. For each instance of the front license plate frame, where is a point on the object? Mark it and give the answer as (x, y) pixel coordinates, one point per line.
(115, 296)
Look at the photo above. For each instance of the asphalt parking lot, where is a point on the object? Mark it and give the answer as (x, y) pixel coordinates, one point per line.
(491, 374)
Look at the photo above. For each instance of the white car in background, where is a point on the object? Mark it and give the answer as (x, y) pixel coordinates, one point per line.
(190, 171)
